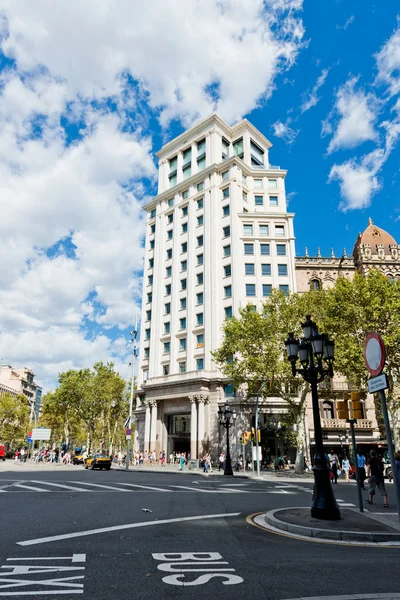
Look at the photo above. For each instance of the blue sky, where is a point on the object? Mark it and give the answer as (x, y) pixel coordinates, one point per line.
(87, 96)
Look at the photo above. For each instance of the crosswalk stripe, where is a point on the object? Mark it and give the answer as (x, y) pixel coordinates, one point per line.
(99, 485)
(61, 485)
(29, 487)
(195, 489)
(146, 487)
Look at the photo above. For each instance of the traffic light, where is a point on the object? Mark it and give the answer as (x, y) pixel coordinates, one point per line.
(244, 437)
(343, 407)
(241, 441)
(356, 405)
(253, 434)
(259, 435)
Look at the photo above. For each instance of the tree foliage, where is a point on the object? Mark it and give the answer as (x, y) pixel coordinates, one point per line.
(14, 419)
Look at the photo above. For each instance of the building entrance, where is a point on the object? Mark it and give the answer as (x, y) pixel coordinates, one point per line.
(178, 427)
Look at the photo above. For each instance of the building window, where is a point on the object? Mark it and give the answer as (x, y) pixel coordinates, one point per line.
(170, 218)
(153, 213)
(259, 200)
(168, 289)
(151, 263)
(183, 265)
(227, 271)
(184, 227)
(167, 346)
(183, 284)
(185, 194)
(199, 278)
(167, 308)
(201, 164)
(182, 323)
(225, 192)
(167, 328)
(201, 155)
(169, 234)
(145, 374)
(199, 319)
(150, 297)
(250, 289)
(264, 230)
(257, 154)
(238, 148)
(265, 249)
(266, 289)
(244, 178)
(249, 269)
(169, 253)
(228, 312)
(225, 148)
(249, 248)
(148, 315)
(273, 200)
(182, 367)
(258, 183)
(183, 247)
(173, 163)
(182, 345)
(226, 210)
(200, 340)
(184, 211)
(200, 241)
(244, 196)
(227, 250)
(200, 259)
(284, 289)
(229, 391)
(199, 364)
(225, 175)
(147, 334)
(199, 298)
(150, 280)
(200, 203)
(280, 230)
(152, 244)
(200, 186)
(153, 228)
(171, 202)
(226, 231)
(165, 369)
(182, 304)
(315, 284)
(228, 291)
(272, 184)
(328, 412)
(146, 352)
(200, 220)
(265, 269)
(247, 229)
(281, 249)
(187, 157)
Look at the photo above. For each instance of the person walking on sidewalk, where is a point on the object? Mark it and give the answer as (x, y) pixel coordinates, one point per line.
(376, 478)
(221, 460)
(361, 467)
(334, 465)
(346, 468)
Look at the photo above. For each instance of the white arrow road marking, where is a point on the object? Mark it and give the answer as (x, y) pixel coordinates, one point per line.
(99, 485)
(29, 487)
(61, 485)
(67, 536)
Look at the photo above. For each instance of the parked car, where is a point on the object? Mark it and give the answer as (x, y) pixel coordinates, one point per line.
(98, 461)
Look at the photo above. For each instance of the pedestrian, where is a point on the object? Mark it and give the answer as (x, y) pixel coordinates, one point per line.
(182, 462)
(205, 464)
(375, 474)
(221, 460)
(361, 467)
(346, 468)
(334, 465)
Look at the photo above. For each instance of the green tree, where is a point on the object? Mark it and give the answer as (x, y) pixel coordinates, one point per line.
(14, 419)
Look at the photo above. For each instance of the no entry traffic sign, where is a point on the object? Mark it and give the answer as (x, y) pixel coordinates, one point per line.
(374, 353)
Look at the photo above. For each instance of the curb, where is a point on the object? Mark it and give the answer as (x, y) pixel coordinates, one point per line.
(328, 534)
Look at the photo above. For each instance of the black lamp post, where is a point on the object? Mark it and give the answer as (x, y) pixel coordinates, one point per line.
(227, 419)
(316, 354)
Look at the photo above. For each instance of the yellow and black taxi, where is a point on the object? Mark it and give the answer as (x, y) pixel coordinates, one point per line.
(78, 459)
(98, 461)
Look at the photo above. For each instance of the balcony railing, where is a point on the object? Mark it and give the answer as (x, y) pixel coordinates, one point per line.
(342, 424)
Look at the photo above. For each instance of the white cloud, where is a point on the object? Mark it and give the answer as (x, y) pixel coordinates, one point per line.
(388, 63)
(284, 131)
(311, 97)
(347, 23)
(353, 118)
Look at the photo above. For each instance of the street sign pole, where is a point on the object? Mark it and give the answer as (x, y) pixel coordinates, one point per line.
(353, 442)
(128, 451)
(391, 451)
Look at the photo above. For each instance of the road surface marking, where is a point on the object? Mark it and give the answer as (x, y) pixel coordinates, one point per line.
(179, 564)
(67, 536)
(100, 485)
(61, 485)
(146, 487)
(193, 489)
(389, 596)
(29, 487)
(74, 558)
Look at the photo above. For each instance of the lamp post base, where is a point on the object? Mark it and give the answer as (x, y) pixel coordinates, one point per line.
(324, 504)
(228, 466)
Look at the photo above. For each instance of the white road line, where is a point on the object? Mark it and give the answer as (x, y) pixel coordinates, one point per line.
(146, 487)
(61, 485)
(74, 558)
(68, 536)
(229, 489)
(99, 485)
(42, 593)
(387, 596)
(29, 487)
(192, 489)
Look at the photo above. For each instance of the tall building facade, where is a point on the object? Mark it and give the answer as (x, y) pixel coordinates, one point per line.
(218, 237)
(20, 380)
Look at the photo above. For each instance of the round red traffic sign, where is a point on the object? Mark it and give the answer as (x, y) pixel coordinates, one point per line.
(374, 353)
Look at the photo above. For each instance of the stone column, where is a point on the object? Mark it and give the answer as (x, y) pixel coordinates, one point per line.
(200, 425)
(193, 427)
(153, 427)
(158, 437)
(147, 428)
(136, 437)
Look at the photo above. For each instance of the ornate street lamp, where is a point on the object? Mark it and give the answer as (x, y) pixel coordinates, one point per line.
(227, 419)
(316, 353)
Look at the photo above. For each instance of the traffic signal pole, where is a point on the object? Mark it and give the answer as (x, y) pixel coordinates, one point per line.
(256, 423)
(391, 451)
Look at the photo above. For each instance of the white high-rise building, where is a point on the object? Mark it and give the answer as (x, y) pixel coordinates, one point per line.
(218, 237)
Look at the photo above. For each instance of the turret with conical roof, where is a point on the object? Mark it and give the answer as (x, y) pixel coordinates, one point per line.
(375, 247)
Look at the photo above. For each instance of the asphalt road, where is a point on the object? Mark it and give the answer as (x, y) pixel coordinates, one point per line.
(226, 557)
